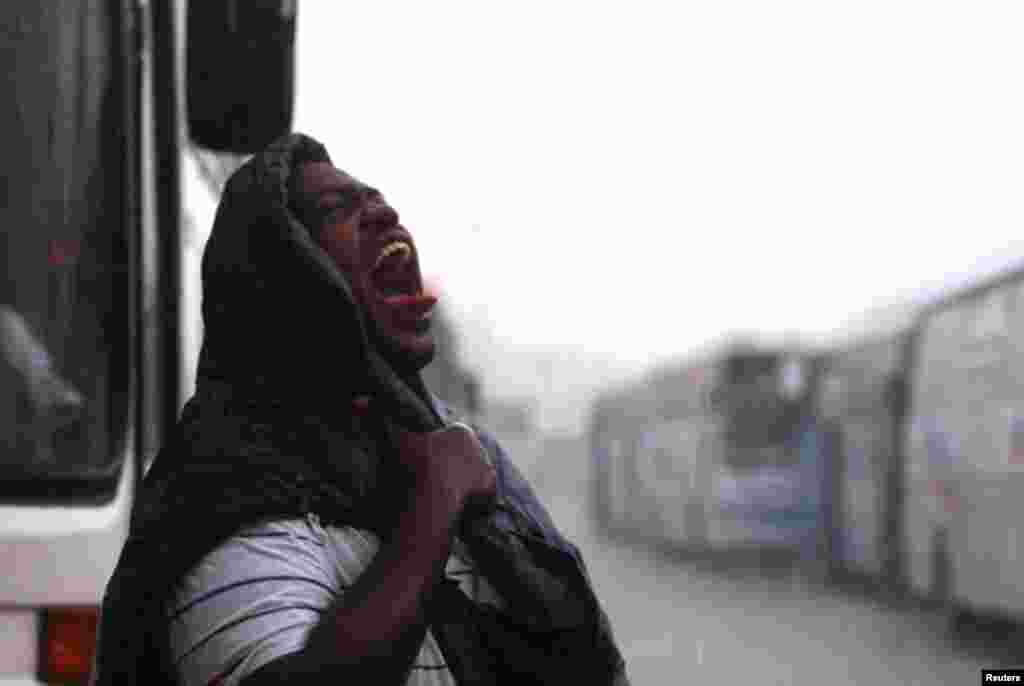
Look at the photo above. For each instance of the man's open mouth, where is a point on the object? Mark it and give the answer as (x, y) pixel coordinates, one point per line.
(394, 272)
(396, 281)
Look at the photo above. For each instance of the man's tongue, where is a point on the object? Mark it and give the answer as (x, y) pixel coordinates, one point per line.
(423, 302)
(410, 308)
(399, 288)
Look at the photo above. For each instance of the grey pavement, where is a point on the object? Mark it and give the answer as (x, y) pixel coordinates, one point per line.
(680, 622)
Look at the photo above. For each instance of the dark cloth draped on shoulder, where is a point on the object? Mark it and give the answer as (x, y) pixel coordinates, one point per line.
(269, 434)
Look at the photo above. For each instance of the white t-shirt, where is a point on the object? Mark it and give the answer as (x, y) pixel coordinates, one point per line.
(258, 595)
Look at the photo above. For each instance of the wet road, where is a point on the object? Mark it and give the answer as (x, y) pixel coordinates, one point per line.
(679, 622)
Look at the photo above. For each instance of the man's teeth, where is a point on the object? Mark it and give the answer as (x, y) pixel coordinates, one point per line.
(391, 249)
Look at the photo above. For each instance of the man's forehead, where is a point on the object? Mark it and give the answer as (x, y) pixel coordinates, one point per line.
(322, 177)
(324, 187)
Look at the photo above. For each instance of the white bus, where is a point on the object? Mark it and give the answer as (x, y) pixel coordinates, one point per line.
(97, 335)
(965, 454)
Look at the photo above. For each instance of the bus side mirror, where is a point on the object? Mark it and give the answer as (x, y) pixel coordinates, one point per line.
(240, 72)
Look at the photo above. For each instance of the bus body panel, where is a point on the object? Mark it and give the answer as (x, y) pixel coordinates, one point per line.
(858, 400)
(62, 555)
(54, 557)
(967, 462)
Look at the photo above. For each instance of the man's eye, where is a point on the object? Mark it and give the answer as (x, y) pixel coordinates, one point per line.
(337, 214)
(350, 197)
(343, 207)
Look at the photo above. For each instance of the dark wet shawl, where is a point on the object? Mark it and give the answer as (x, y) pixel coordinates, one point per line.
(269, 434)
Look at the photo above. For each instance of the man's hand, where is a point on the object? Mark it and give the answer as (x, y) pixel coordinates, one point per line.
(448, 464)
(376, 628)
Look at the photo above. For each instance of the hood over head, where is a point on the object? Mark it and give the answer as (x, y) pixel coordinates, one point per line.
(280, 319)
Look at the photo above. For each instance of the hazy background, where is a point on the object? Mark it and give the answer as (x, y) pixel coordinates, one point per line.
(600, 186)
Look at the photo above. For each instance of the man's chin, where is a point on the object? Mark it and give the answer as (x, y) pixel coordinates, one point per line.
(407, 353)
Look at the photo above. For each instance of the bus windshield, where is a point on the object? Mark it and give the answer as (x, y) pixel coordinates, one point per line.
(65, 283)
(759, 416)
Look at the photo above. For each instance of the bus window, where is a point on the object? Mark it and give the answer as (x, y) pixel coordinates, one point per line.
(64, 282)
(760, 422)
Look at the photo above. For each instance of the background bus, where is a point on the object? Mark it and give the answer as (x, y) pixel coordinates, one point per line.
(720, 454)
(965, 452)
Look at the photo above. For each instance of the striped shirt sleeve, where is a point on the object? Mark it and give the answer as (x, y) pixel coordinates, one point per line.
(258, 596)
(251, 600)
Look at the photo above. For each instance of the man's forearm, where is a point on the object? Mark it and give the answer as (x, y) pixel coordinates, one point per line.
(391, 593)
(380, 619)
(373, 633)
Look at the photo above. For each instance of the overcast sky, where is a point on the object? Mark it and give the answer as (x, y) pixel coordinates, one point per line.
(632, 180)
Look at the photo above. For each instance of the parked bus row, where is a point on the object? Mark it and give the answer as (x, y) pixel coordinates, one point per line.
(893, 461)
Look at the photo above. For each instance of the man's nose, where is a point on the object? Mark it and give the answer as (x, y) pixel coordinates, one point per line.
(379, 216)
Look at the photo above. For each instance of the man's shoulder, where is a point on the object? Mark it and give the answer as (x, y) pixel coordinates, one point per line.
(512, 483)
(506, 468)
